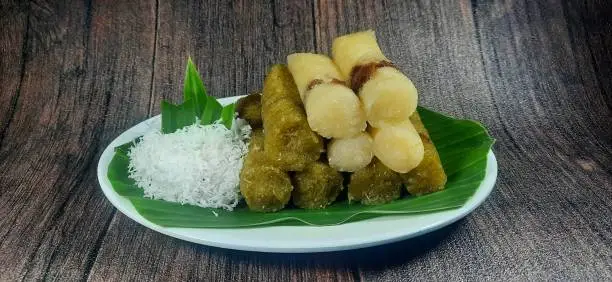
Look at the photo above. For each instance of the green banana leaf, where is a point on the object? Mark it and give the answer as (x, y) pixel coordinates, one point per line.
(462, 144)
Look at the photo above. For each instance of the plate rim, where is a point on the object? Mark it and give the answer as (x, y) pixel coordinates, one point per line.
(481, 194)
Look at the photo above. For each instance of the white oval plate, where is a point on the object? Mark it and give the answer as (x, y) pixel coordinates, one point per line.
(296, 239)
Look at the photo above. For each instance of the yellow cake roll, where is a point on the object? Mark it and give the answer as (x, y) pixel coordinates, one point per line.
(388, 96)
(333, 109)
(398, 146)
(350, 154)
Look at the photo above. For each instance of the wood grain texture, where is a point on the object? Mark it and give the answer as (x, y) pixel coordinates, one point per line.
(74, 74)
(87, 70)
(232, 43)
(13, 38)
(556, 146)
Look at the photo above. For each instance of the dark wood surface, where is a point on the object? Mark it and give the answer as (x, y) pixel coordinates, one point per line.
(75, 74)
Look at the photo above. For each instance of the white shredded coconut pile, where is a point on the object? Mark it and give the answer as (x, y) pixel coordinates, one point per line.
(197, 165)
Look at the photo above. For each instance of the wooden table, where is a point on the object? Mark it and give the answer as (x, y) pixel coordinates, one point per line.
(75, 74)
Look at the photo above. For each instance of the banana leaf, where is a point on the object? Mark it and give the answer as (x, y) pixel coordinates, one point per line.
(462, 144)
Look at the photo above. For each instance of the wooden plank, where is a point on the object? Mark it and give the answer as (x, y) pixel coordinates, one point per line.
(13, 20)
(233, 44)
(556, 153)
(589, 20)
(87, 78)
(589, 31)
(137, 253)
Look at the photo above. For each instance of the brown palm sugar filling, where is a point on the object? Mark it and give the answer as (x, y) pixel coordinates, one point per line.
(360, 74)
(316, 82)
